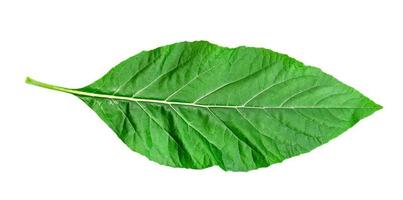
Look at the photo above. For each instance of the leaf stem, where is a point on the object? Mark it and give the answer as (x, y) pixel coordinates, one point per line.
(31, 81)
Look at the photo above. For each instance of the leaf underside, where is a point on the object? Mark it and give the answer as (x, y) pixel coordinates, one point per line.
(196, 104)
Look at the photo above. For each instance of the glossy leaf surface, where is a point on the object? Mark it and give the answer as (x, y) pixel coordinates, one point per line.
(196, 104)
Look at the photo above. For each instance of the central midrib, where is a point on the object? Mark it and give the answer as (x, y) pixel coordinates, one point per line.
(108, 96)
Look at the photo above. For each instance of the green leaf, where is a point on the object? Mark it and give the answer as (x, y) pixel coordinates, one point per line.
(196, 104)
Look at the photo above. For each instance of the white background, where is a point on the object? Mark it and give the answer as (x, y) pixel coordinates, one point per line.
(52, 146)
